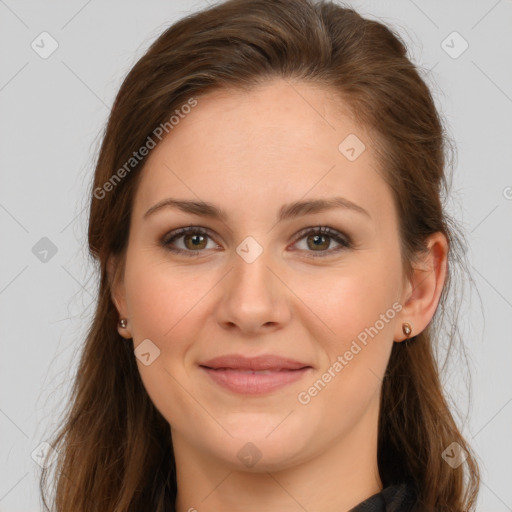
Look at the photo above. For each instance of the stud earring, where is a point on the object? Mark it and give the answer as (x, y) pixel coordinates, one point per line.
(406, 328)
(123, 323)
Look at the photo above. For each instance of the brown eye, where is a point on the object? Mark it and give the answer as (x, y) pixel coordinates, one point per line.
(319, 240)
(194, 241)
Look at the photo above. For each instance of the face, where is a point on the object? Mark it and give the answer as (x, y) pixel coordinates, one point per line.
(263, 279)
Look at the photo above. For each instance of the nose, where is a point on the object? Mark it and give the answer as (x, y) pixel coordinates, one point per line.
(253, 297)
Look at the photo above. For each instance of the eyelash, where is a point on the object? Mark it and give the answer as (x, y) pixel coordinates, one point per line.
(343, 240)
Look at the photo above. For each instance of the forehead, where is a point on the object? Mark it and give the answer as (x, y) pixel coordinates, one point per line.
(275, 143)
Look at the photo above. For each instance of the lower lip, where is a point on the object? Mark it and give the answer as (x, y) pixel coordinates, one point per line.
(255, 383)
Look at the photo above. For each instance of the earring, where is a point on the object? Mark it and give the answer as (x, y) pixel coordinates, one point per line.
(406, 328)
(123, 323)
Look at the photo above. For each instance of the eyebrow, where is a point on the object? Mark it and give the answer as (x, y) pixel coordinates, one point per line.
(286, 212)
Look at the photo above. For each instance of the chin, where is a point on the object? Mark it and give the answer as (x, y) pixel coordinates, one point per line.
(261, 450)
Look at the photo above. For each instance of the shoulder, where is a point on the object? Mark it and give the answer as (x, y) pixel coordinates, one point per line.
(394, 498)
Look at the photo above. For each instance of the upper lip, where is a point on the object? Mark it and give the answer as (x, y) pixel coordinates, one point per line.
(264, 362)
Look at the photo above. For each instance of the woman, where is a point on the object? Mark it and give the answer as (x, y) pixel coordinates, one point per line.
(266, 216)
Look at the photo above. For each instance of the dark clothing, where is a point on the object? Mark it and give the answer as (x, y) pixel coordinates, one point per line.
(395, 498)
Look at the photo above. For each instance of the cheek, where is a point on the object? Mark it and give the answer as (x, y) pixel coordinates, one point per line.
(161, 307)
(358, 322)
(160, 297)
(352, 299)
(150, 302)
(167, 304)
(359, 314)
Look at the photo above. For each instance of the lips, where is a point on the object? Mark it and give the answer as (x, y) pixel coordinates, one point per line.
(256, 375)
(260, 363)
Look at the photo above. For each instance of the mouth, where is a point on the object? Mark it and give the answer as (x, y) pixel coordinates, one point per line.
(254, 376)
(254, 382)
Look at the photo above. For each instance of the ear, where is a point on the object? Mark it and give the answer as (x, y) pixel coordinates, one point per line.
(423, 290)
(115, 272)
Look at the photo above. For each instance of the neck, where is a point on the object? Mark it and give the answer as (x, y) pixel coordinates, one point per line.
(339, 478)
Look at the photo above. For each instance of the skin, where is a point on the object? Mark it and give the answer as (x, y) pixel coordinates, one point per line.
(249, 153)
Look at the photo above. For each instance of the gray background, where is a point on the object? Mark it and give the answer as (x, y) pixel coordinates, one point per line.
(53, 112)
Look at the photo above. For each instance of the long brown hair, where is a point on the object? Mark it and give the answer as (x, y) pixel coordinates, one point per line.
(114, 448)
